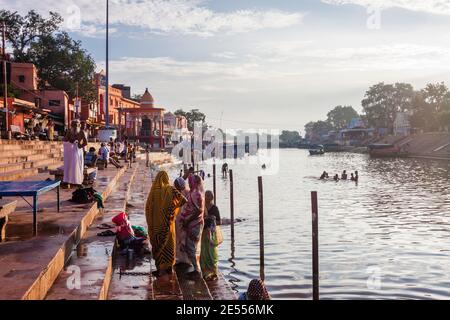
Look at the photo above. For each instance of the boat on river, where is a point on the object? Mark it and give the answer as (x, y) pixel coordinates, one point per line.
(383, 150)
(317, 150)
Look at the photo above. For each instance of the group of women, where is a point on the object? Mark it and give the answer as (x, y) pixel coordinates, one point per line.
(180, 231)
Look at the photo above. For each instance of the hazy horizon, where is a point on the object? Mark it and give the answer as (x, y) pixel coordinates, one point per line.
(261, 63)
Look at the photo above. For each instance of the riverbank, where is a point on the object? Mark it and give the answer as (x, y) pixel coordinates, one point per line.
(433, 145)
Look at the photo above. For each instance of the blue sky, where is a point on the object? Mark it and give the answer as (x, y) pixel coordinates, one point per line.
(262, 63)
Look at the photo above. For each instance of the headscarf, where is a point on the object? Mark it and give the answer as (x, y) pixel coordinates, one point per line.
(257, 290)
(180, 183)
(196, 183)
(160, 196)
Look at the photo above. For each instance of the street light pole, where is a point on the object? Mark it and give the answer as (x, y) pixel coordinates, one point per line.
(120, 121)
(107, 66)
(5, 79)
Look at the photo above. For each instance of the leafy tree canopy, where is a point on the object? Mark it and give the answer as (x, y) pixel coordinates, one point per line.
(61, 61)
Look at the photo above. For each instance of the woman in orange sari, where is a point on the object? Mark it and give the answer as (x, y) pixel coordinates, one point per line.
(162, 206)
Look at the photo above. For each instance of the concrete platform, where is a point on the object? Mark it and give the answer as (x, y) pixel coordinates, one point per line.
(29, 265)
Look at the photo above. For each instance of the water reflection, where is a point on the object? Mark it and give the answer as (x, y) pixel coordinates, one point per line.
(392, 228)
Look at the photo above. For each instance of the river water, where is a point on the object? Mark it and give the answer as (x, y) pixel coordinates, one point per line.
(387, 237)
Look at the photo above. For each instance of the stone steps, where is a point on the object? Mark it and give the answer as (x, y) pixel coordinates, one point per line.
(94, 254)
(126, 285)
(21, 159)
(24, 173)
(30, 265)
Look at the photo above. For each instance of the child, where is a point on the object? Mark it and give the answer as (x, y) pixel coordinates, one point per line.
(211, 239)
(104, 154)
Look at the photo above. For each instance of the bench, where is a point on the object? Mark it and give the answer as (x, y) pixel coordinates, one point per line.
(59, 174)
(30, 189)
(6, 208)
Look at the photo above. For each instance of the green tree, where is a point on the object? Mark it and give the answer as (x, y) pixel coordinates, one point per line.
(290, 138)
(315, 130)
(383, 101)
(340, 117)
(23, 31)
(61, 62)
(192, 116)
(431, 107)
(64, 64)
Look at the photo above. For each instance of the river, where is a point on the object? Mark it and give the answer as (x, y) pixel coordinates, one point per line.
(387, 237)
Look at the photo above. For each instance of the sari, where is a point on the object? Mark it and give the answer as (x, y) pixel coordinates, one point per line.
(194, 212)
(161, 208)
(181, 235)
(209, 257)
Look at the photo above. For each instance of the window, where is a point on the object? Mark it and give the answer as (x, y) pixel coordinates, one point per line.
(21, 78)
(54, 103)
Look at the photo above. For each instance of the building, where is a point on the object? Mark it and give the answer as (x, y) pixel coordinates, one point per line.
(402, 126)
(356, 134)
(146, 123)
(21, 113)
(175, 128)
(119, 99)
(51, 101)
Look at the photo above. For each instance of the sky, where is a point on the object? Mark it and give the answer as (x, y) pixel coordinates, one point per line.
(255, 64)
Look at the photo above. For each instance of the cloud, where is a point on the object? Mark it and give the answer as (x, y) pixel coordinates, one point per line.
(225, 55)
(399, 56)
(170, 67)
(430, 6)
(186, 17)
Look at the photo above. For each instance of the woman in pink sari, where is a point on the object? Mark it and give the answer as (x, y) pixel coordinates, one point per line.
(192, 222)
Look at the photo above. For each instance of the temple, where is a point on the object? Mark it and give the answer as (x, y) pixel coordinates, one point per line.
(145, 123)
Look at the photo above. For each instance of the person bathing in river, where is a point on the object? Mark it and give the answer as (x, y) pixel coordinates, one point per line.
(324, 176)
(352, 177)
(162, 206)
(225, 170)
(192, 221)
(356, 176)
(336, 177)
(344, 175)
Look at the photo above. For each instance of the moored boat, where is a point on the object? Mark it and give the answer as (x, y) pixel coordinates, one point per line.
(316, 150)
(383, 150)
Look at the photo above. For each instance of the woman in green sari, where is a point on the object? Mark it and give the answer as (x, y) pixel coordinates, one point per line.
(209, 257)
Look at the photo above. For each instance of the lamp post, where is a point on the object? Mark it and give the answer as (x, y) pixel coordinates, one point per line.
(107, 66)
(120, 121)
(107, 133)
(5, 79)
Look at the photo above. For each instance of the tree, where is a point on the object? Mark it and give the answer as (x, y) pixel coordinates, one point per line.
(192, 116)
(382, 102)
(435, 96)
(431, 111)
(340, 117)
(64, 64)
(290, 138)
(315, 130)
(23, 31)
(61, 62)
